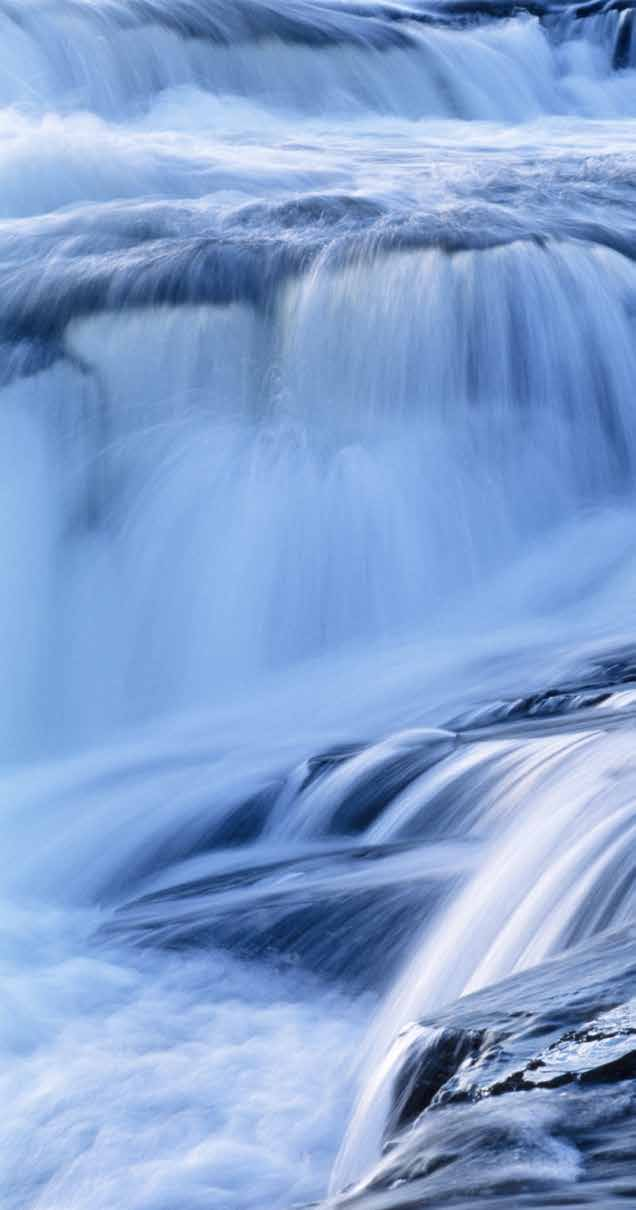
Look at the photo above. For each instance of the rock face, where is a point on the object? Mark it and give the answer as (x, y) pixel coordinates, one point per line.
(429, 1067)
(604, 1050)
(524, 1094)
(452, 1065)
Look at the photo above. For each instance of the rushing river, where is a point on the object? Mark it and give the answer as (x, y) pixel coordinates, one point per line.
(317, 603)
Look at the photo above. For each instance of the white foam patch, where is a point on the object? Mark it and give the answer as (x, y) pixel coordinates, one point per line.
(191, 1081)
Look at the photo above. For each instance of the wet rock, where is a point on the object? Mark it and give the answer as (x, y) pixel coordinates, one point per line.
(428, 1069)
(603, 1050)
(606, 680)
(450, 1065)
(548, 704)
(521, 1094)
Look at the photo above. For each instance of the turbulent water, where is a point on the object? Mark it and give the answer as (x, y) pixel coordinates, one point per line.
(317, 633)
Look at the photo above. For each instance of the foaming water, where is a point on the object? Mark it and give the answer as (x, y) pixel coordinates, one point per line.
(111, 58)
(174, 1078)
(337, 463)
(317, 450)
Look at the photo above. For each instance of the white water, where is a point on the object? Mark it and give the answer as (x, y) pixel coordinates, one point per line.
(555, 876)
(316, 425)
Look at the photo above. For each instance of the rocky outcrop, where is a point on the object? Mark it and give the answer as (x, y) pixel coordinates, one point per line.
(522, 1094)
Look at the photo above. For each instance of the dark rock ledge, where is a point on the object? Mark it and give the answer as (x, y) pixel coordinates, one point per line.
(521, 1095)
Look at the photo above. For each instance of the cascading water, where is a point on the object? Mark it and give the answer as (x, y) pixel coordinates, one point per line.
(317, 464)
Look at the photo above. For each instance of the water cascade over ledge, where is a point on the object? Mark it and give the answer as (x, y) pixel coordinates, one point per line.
(317, 637)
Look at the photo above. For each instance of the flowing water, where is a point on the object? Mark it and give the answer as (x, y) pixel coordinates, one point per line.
(317, 635)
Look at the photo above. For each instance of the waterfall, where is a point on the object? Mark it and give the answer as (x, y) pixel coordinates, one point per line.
(317, 465)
